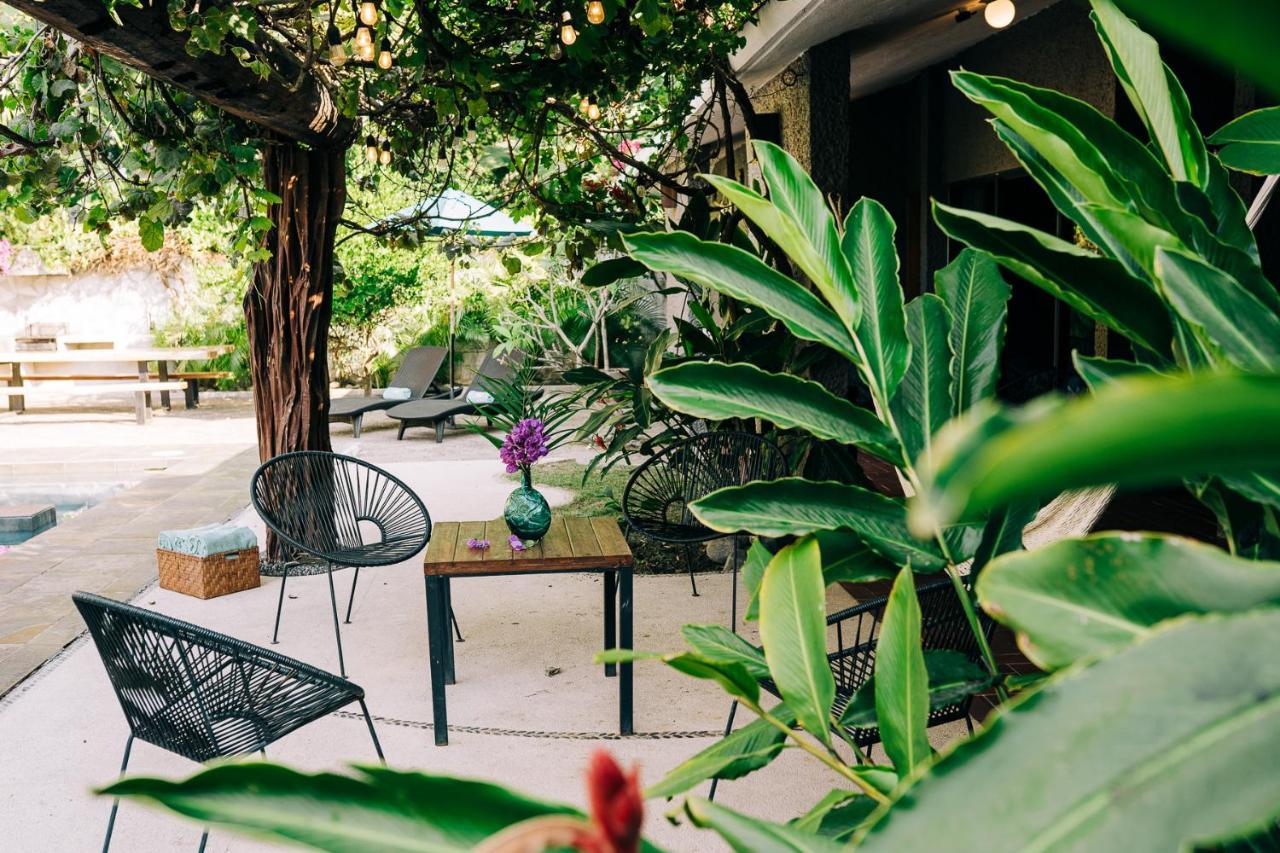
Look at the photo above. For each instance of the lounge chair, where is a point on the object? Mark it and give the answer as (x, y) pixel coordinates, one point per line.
(437, 412)
(417, 373)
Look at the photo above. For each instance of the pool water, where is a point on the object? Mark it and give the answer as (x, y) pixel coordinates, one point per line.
(69, 499)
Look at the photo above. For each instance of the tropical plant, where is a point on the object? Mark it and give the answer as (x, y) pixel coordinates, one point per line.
(1176, 267)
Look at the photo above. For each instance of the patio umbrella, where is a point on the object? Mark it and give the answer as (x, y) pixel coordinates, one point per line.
(455, 213)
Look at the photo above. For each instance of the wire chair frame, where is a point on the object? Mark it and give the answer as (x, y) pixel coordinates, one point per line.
(201, 694)
(655, 502)
(323, 504)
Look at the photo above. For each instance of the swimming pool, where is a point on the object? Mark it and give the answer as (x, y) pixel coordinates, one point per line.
(69, 499)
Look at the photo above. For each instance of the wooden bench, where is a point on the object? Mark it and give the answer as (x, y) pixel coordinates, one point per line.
(142, 392)
(190, 377)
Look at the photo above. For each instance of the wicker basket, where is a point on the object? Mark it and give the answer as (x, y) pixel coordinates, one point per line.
(211, 576)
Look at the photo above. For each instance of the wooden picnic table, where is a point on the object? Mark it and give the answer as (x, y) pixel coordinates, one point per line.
(572, 544)
(141, 356)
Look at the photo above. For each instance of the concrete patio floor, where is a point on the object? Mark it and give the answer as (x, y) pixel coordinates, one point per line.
(512, 719)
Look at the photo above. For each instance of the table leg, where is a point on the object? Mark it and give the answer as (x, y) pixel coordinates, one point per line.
(610, 618)
(17, 404)
(625, 614)
(449, 675)
(144, 375)
(164, 377)
(437, 626)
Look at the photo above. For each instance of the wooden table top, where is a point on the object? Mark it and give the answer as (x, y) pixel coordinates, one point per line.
(573, 543)
(84, 356)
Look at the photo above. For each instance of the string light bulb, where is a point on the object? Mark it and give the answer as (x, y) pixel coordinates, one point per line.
(584, 104)
(593, 110)
(471, 131)
(368, 13)
(999, 13)
(371, 149)
(384, 54)
(384, 155)
(595, 12)
(568, 34)
(365, 51)
(363, 36)
(337, 53)
(556, 51)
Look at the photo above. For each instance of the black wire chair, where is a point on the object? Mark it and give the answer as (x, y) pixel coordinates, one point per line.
(943, 625)
(204, 695)
(326, 505)
(655, 502)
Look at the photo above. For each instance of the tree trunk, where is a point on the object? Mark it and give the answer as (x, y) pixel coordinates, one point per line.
(288, 307)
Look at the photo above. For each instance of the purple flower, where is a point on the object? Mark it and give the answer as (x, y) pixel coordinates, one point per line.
(517, 544)
(477, 544)
(524, 445)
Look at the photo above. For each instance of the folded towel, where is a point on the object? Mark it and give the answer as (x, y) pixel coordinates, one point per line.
(397, 393)
(480, 397)
(210, 539)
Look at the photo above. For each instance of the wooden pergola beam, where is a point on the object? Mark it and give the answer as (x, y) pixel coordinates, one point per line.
(147, 42)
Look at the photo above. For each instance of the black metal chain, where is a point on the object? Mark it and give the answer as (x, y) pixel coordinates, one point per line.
(531, 733)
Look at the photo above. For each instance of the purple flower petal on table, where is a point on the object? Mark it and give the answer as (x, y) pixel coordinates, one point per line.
(516, 543)
(478, 544)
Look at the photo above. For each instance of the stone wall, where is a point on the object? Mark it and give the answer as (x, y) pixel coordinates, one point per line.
(120, 306)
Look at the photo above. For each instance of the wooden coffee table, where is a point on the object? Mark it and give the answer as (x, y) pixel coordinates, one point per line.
(573, 544)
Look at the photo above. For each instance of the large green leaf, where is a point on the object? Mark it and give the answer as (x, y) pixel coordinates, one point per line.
(1239, 34)
(720, 391)
(1097, 287)
(952, 678)
(612, 270)
(795, 194)
(1246, 331)
(837, 815)
(829, 273)
(1055, 138)
(753, 567)
(976, 297)
(1141, 430)
(868, 246)
(793, 506)
(923, 402)
(846, 558)
(745, 834)
(730, 675)
(743, 276)
(901, 680)
(1097, 372)
(1081, 597)
(1003, 533)
(1251, 142)
(1155, 94)
(716, 642)
(793, 631)
(379, 810)
(1168, 742)
(743, 751)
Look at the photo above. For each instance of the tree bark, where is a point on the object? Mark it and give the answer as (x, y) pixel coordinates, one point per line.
(287, 309)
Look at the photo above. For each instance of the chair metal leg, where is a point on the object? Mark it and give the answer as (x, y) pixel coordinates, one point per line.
(204, 839)
(368, 721)
(356, 423)
(728, 727)
(337, 631)
(400, 431)
(688, 561)
(439, 431)
(115, 804)
(457, 631)
(275, 634)
(352, 599)
(733, 605)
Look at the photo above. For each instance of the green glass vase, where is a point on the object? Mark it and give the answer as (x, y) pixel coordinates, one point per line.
(528, 515)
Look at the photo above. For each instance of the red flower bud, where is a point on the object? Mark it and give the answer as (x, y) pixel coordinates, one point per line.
(617, 807)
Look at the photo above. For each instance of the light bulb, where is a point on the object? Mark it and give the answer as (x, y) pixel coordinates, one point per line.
(384, 156)
(568, 34)
(337, 53)
(384, 54)
(595, 12)
(584, 104)
(556, 51)
(593, 111)
(368, 13)
(366, 52)
(999, 13)
(363, 36)
(370, 149)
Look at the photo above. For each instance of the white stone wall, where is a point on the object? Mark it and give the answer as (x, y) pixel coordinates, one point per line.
(123, 307)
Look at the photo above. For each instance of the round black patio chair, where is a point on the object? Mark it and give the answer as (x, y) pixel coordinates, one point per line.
(655, 502)
(341, 510)
(204, 695)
